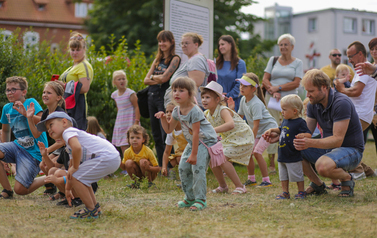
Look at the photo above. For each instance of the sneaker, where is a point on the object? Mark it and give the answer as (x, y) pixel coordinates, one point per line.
(374, 174)
(265, 184)
(250, 183)
(358, 176)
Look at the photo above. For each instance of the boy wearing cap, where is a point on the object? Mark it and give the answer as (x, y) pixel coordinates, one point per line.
(24, 151)
(99, 158)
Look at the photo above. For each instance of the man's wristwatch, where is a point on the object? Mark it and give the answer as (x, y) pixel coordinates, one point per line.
(151, 77)
(279, 88)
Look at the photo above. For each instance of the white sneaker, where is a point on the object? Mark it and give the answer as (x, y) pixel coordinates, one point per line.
(374, 174)
(358, 176)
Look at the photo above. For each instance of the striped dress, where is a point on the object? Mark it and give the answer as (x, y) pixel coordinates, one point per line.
(125, 117)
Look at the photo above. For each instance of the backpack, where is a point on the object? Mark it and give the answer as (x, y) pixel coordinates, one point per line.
(212, 71)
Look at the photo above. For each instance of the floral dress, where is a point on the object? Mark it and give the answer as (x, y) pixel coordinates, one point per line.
(238, 142)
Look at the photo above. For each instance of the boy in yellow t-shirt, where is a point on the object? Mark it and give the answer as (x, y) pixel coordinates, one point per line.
(139, 161)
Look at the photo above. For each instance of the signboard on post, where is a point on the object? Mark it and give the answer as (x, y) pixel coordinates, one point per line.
(181, 16)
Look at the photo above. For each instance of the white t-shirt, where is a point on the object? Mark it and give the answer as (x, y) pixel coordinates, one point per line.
(365, 102)
(92, 146)
(170, 138)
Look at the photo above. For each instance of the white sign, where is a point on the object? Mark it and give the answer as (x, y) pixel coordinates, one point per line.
(185, 16)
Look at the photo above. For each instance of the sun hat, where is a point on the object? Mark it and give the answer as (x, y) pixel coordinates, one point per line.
(41, 126)
(247, 81)
(214, 86)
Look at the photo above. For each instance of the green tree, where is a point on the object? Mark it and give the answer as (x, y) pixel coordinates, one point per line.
(143, 20)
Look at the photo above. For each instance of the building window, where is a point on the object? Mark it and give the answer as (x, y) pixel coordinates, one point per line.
(368, 27)
(31, 40)
(312, 24)
(41, 7)
(349, 25)
(81, 9)
(5, 34)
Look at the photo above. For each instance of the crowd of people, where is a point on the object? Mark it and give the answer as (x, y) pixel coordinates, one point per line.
(195, 124)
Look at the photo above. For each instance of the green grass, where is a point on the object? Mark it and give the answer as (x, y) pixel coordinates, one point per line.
(151, 212)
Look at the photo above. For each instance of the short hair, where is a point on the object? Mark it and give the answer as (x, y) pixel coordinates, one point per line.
(359, 47)
(372, 43)
(18, 79)
(186, 83)
(330, 53)
(340, 68)
(294, 101)
(288, 37)
(117, 73)
(196, 38)
(136, 129)
(317, 77)
(77, 41)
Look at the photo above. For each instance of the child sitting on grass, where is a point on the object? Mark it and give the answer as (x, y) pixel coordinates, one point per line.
(175, 137)
(289, 159)
(139, 160)
(98, 156)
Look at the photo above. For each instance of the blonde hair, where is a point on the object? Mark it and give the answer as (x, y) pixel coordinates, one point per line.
(293, 101)
(18, 79)
(170, 104)
(255, 78)
(136, 129)
(94, 127)
(118, 73)
(59, 90)
(77, 41)
(196, 38)
(185, 83)
(317, 77)
(340, 68)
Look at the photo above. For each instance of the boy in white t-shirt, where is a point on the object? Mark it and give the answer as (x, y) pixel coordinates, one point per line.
(97, 155)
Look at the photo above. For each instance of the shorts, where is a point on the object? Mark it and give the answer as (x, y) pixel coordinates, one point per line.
(260, 145)
(93, 170)
(346, 158)
(27, 166)
(292, 172)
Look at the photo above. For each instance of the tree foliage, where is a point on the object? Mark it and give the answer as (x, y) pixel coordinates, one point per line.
(143, 20)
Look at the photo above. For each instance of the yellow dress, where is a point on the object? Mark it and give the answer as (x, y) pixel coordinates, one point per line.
(237, 143)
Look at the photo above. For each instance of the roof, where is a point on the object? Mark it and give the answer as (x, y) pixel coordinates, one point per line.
(55, 11)
(333, 10)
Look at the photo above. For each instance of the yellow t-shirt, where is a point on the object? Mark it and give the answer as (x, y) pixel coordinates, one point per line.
(77, 72)
(145, 153)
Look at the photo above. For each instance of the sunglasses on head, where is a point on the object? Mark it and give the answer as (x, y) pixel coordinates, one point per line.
(79, 38)
(335, 55)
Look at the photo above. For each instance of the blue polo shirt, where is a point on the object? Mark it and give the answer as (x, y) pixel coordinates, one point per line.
(339, 108)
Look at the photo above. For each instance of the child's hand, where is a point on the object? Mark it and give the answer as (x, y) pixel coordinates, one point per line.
(191, 160)
(19, 107)
(164, 171)
(50, 179)
(266, 134)
(42, 148)
(69, 195)
(231, 103)
(71, 171)
(30, 110)
(273, 137)
(159, 115)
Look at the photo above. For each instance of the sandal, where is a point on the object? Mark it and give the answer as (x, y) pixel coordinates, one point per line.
(240, 190)
(220, 190)
(335, 187)
(63, 202)
(8, 192)
(98, 207)
(198, 205)
(300, 195)
(50, 189)
(317, 190)
(57, 196)
(133, 185)
(185, 203)
(282, 196)
(351, 185)
(85, 213)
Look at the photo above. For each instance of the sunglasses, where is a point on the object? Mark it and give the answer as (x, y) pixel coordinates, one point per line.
(335, 55)
(79, 38)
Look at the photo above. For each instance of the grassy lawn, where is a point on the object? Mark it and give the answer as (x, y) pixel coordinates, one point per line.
(151, 212)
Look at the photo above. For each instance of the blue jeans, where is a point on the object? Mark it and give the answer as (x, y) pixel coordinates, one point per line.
(27, 167)
(346, 158)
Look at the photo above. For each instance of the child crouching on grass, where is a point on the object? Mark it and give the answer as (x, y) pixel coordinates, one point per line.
(139, 160)
(98, 156)
(289, 159)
